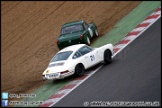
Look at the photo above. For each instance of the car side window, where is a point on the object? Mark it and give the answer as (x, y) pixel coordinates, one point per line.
(84, 50)
(76, 55)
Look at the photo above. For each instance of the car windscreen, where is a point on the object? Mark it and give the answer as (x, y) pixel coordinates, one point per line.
(71, 29)
(61, 56)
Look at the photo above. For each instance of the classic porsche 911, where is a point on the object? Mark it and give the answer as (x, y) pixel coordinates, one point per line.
(76, 59)
(76, 32)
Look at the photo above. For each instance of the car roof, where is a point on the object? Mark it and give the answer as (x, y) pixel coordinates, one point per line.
(72, 23)
(73, 48)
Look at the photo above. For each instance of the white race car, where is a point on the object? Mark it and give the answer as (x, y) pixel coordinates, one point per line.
(76, 59)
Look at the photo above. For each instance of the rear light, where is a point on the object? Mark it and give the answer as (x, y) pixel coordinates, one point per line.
(81, 37)
(64, 72)
(57, 41)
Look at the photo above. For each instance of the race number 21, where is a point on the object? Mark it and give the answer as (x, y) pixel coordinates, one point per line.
(92, 57)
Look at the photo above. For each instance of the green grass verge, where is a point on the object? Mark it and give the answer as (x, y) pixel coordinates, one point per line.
(46, 91)
(128, 23)
(121, 29)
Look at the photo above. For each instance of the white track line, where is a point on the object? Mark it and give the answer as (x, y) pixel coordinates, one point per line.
(136, 36)
(77, 85)
(120, 46)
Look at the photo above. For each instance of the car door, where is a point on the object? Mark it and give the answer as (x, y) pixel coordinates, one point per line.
(88, 55)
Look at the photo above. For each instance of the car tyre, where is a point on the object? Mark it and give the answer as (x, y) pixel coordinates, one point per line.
(79, 70)
(107, 57)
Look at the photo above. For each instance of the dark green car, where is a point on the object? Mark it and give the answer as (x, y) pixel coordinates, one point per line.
(76, 32)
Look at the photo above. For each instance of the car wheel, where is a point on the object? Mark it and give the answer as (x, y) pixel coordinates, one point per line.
(79, 70)
(88, 41)
(96, 32)
(107, 57)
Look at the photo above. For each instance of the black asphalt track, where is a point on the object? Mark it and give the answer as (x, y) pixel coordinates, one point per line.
(134, 75)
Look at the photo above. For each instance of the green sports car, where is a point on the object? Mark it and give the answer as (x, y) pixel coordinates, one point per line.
(77, 32)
